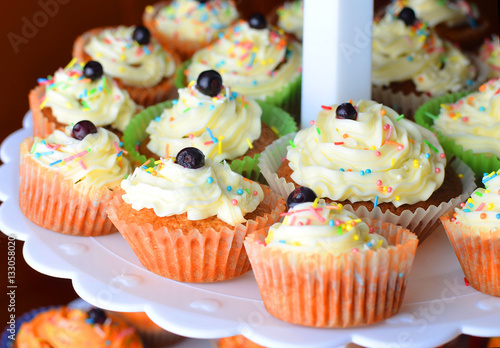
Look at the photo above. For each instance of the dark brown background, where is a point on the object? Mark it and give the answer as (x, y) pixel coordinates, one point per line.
(47, 48)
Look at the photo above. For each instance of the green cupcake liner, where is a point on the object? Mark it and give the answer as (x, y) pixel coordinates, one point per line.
(288, 98)
(135, 133)
(279, 121)
(479, 162)
(180, 77)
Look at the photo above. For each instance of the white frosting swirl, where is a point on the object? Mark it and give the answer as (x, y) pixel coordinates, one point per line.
(195, 21)
(73, 98)
(474, 120)
(221, 127)
(98, 160)
(253, 62)
(416, 53)
(482, 209)
(123, 58)
(291, 17)
(323, 228)
(374, 158)
(207, 191)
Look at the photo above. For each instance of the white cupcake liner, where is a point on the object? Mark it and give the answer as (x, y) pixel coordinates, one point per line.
(269, 162)
(407, 104)
(422, 222)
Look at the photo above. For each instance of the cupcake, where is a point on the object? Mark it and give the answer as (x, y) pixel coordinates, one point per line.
(238, 341)
(186, 26)
(186, 219)
(340, 270)
(474, 232)
(60, 327)
(289, 16)
(371, 159)
(79, 92)
(257, 61)
(410, 63)
(490, 55)
(67, 179)
(151, 334)
(467, 125)
(223, 124)
(456, 21)
(135, 60)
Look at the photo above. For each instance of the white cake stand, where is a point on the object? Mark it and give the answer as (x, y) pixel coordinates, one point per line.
(106, 273)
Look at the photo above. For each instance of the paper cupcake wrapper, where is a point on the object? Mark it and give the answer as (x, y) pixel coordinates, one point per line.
(195, 256)
(5, 341)
(151, 334)
(288, 97)
(408, 104)
(159, 339)
(53, 202)
(269, 162)
(144, 96)
(135, 133)
(42, 127)
(278, 120)
(334, 290)
(180, 75)
(422, 222)
(238, 341)
(479, 162)
(477, 250)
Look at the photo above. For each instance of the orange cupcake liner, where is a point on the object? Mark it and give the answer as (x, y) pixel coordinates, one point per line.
(195, 256)
(152, 335)
(238, 341)
(478, 251)
(145, 96)
(334, 290)
(55, 203)
(42, 127)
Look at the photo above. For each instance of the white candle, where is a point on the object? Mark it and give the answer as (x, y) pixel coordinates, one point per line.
(337, 45)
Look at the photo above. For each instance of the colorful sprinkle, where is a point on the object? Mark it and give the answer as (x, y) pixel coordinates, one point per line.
(82, 164)
(219, 141)
(249, 143)
(431, 146)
